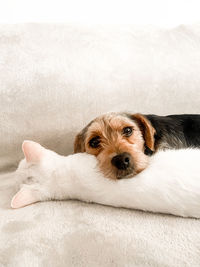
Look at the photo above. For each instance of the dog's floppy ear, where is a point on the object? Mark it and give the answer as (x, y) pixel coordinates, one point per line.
(147, 130)
(79, 143)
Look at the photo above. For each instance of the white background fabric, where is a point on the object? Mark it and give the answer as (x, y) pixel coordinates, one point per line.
(53, 80)
(157, 12)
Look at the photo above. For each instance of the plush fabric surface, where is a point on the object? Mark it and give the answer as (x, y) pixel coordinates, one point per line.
(53, 80)
(73, 233)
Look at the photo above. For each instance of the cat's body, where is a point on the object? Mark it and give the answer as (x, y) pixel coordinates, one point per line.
(171, 184)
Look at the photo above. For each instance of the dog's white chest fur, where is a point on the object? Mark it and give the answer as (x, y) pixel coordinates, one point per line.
(171, 184)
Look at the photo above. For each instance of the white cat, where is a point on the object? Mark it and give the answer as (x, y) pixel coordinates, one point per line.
(171, 184)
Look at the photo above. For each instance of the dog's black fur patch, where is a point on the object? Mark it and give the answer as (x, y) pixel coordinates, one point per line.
(176, 131)
(147, 151)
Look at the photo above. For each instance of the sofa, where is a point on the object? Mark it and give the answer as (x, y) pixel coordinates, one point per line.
(54, 79)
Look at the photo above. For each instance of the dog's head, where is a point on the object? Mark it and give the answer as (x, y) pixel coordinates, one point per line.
(121, 142)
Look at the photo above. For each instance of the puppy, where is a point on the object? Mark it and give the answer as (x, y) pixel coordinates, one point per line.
(123, 143)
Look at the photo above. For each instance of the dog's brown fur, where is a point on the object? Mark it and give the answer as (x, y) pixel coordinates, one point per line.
(109, 128)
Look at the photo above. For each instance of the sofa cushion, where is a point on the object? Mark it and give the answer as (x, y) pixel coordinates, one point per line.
(56, 78)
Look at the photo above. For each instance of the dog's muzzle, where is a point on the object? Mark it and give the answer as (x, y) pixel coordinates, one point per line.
(121, 161)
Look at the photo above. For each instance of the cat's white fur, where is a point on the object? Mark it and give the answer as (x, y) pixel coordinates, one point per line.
(171, 184)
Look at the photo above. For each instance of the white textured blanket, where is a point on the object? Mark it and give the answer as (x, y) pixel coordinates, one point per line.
(73, 233)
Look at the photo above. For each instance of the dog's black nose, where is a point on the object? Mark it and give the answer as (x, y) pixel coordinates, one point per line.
(121, 161)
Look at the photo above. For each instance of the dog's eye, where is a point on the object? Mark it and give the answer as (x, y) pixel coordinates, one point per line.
(94, 142)
(127, 131)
